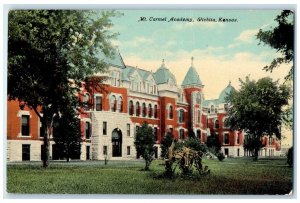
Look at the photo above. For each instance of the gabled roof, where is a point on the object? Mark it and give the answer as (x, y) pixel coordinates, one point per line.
(210, 101)
(115, 60)
(129, 70)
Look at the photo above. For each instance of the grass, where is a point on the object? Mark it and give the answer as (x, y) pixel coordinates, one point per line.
(232, 176)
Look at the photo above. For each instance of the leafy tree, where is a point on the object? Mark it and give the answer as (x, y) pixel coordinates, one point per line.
(66, 133)
(191, 133)
(144, 144)
(257, 108)
(166, 143)
(280, 38)
(50, 52)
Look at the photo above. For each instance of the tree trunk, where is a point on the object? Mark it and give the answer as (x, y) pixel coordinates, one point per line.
(46, 145)
(46, 130)
(255, 154)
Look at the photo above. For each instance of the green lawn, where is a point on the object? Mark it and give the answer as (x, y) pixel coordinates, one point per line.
(232, 176)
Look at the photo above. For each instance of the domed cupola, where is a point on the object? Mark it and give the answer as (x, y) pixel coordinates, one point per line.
(226, 92)
(163, 75)
(192, 78)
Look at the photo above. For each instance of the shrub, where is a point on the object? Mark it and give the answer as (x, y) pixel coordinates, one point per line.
(220, 156)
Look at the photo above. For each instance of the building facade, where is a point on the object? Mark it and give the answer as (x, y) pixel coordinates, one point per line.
(128, 97)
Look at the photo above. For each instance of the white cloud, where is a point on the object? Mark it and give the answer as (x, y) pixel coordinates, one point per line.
(247, 36)
(214, 71)
(136, 42)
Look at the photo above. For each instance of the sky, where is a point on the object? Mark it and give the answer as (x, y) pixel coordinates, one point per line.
(222, 51)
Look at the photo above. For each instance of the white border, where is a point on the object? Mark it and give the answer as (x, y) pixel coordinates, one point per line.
(130, 4)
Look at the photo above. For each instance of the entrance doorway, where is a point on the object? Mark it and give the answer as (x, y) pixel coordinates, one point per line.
(116, 143)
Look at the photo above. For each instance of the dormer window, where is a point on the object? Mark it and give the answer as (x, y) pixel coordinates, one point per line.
(212, 108)
(113, 103)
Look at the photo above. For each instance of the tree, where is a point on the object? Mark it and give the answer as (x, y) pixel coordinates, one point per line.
(67, 134)
(50, 52)
(280, 38)
(257, 108)
(213, 143)
(166, 143)
(144, 144)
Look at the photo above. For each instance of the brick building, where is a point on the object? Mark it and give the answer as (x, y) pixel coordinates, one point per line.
(128, 97)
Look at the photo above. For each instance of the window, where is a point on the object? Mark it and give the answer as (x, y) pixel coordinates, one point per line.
(238, 138)
(128, 150)
(212, 108)
(128, 129)
(155, 111)
(181, 134)
(206, 122)
(25, 125)
(113, 103)
(198, 116)
(238, 152)
(104, 150)
(25, 152)
(171, 112)
(171, 130)
(120, 104)
(225, 123)
(149, 111)
(216, 123)
(155, 133)
(98, 103)
(144, 110)
(226, 107)
(198, 98)
(226, 138)
(104, 128)
(137, 106)
(130, 108)
(199, 134)
(86, 99)
(87, 130)
(181, 116)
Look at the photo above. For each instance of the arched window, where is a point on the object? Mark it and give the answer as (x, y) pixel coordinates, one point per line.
(181, 116)
(155, 111)
(120, 104)
(137, 108)
(216, 123)
(144, 110)
(130, 108)
(113, 103)
(86, 100)
(149, 111)
(181, 134)
(171, 112)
